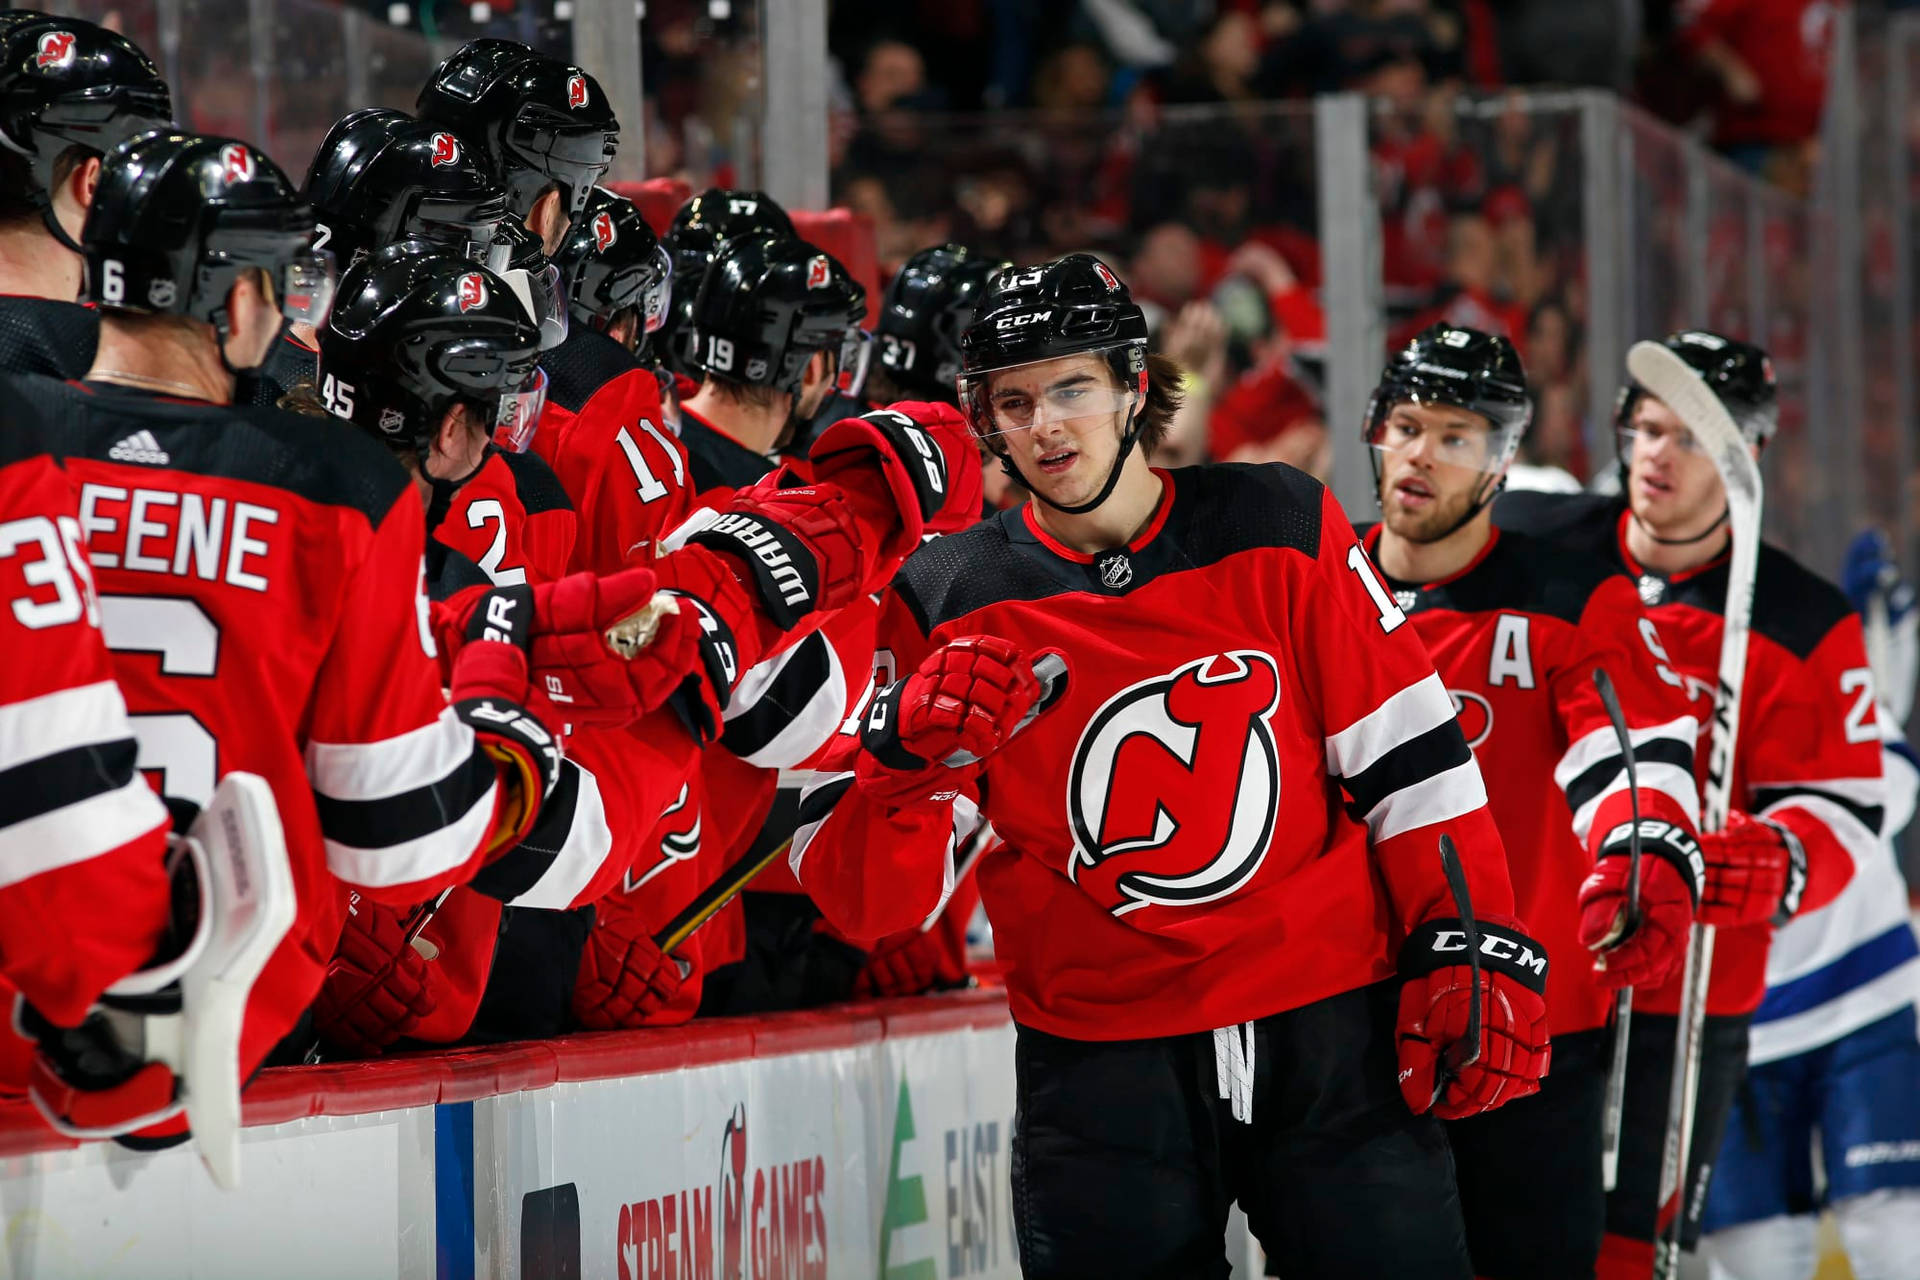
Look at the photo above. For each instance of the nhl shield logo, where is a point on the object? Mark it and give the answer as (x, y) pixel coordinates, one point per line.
(603, 232)
(1175, 785)
(819, 273)
(1653, 589)
(236, 163)
(446, 150)
(576, 91)
(1115, 569)
(56, 50)
(473, 292)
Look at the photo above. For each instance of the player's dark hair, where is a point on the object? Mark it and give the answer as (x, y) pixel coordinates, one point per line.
(1166, 390)
(16, 181)
(750, 394)
(882, 389)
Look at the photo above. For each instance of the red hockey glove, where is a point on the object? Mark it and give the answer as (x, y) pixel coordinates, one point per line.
(565, 636)
(903, 444)
(1434, 1011)
(490, 693)
(910, 964)
(1670, 876)
(624, 978)
(803, 547)
(376, 989)
(966, 697)
(1756, 872)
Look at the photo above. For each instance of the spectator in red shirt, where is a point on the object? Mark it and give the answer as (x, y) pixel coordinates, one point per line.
(1769, 58)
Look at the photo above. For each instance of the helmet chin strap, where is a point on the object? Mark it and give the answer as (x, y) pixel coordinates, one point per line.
(443, 491)
(52, 220)
(1702, 536)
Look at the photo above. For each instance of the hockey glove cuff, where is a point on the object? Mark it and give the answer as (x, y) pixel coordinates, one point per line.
(926, 735)
(802, 546)
(625, 980)
(1435, 1011)
(489, 694)
(376, 989)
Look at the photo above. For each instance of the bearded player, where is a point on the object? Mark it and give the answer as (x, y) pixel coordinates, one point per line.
(1807, 793)
(1517, 628)
(1223, 831)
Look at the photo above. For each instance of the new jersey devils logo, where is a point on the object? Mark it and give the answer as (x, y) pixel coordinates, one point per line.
(576, 91)
(1106, 277)
(1175, 785)
(1475, 715)
(473, 292)
(56, 50)
(679, 840)
(819, 273)
(236, 163)
(603, 233)
(446, 150)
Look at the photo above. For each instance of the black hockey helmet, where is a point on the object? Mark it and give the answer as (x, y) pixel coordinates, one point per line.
(767, 304)
(381, 176)
(1740, 373)
(178, 217)
(699, 228)
(612, 262)
(418, 331)
(927, 308)
(68, 83)
(535, 280)
(1070, 306)
(534, 118)
(1450, 364)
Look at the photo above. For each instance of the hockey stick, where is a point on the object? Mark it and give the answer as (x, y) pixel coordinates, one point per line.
(1049, 669)
(1623, 1002)
(1465, 1051)
(1670, 379)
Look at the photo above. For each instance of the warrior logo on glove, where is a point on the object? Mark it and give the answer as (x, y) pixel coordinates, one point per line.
(1143, 794)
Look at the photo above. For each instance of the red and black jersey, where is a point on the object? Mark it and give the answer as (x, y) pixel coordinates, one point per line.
(605, 436)
(83, 892)
(1808, 755)
(46, 336)
(513, 520)
(260, 582)
(716, 460)
(1517, 636)
(289, 363)
(1233, 803)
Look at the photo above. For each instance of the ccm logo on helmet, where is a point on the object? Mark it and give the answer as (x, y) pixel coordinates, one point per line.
(473, 292)
(1175, 784)
(603, 233)
(445, 149)
(819, 272)
(576, 91)
(1021, 320)
(236, 163)
(56, 50)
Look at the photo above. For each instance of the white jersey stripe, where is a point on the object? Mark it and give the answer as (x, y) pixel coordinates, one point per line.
(433, 854)
(1416, 709)
(1848, 831)
(78, 832)
(1603, 743)
(82, 716)
(589, 841)
(807, 728)
(391, 766)
(1450, 794)
(1670, 780)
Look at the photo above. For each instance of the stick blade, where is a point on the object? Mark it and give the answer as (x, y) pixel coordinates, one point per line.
(1674, 381)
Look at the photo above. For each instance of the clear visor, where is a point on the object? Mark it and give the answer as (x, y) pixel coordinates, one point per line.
(856, 350)
(545, 299)
(1072, 392)
(1445, 434)
(1652, 436)
(657, 296)
(520, 413)
(306, 288)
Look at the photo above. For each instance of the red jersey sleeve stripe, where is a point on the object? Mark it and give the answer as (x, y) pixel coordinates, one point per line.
(788, 707)
(1593, 769)
(390, 766)
(1420, 707)
(437, 853)
(583, 849)
(1853, 809)
(79, 831)
(83, 716)
(817, 801)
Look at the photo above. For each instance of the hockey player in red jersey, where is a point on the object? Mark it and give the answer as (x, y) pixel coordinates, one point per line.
(1517, 628)
(1223, 832)
(1806, 776)
(69, 91)
(231, 547)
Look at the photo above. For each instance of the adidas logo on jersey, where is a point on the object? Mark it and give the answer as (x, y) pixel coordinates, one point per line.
(140, 447)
